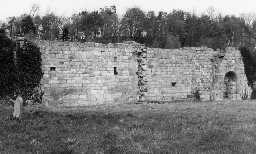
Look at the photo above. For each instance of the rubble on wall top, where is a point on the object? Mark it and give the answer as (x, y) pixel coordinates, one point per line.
(131, 42)
(126, 44)
(231, 48)
(188, 51)
(203, 48)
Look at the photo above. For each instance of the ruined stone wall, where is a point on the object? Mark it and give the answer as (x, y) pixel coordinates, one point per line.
(88, 73)
(231, 62)
(175, 74)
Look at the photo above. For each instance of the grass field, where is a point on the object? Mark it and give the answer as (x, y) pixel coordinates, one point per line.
(228, 127)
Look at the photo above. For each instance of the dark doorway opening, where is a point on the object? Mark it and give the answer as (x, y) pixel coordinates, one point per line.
(230, 82)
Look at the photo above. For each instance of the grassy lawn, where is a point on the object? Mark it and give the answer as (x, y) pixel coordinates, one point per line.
(228, 127)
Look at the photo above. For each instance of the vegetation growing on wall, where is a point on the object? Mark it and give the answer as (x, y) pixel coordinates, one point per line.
(25, 74)
(29, 67)
(249, 65)
(7, 69)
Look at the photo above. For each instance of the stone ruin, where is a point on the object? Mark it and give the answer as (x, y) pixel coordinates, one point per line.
(78, 74)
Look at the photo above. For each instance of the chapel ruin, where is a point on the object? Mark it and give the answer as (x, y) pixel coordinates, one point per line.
(91, 73)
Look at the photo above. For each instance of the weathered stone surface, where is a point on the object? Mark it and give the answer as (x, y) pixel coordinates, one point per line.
(177, 74)
(83, 73)
(93, 73)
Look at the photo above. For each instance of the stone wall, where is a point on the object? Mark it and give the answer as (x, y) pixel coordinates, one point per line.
(184, 73)
(90, 73)
(231, 61)
(179, 73)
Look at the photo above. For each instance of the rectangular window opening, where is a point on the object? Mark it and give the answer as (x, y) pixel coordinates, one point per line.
(52, 68)
(115, 71)
(115, 59)
(173, 84)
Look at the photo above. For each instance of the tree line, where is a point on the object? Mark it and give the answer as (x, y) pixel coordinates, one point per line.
(175, 29)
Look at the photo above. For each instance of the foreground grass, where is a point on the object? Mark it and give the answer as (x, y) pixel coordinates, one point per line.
(166, 128)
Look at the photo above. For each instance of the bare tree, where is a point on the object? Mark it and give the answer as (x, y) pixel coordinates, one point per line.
(34, 10)
(211, 12)
(248, 18)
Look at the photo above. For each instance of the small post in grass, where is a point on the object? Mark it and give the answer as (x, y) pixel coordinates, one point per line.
(17, 105)
(18, 101)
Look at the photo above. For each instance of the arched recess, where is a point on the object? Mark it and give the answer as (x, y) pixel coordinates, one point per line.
(230, 85)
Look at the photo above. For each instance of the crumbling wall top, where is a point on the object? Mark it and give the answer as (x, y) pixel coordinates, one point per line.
(56, 43)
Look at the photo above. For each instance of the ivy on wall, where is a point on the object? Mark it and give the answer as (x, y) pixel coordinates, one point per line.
(26, 74)
(29, 68)
(8, 72)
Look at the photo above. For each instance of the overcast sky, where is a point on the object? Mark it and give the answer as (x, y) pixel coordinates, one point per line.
(68, 7)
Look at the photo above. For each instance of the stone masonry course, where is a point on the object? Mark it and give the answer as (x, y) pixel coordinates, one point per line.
(80, 74)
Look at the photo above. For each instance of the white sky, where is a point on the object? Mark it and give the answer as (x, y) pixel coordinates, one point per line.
(68, 7)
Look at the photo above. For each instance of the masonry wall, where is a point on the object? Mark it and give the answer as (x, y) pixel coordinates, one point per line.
(231, 62)
(84, 73)
(178, 74)
(89, 73)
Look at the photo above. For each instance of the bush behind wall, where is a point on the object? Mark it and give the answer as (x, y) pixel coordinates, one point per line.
(27, 72)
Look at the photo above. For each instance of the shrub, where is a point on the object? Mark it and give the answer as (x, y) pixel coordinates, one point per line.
(196, 95)
(8, 72)
(253, 95)
(29, 69)
(26, 75)
(245, 95)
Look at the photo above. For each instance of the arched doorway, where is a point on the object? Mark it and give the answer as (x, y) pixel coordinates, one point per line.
(230, 83)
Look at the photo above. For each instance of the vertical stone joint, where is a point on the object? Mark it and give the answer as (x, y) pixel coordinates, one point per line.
(141, 73)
